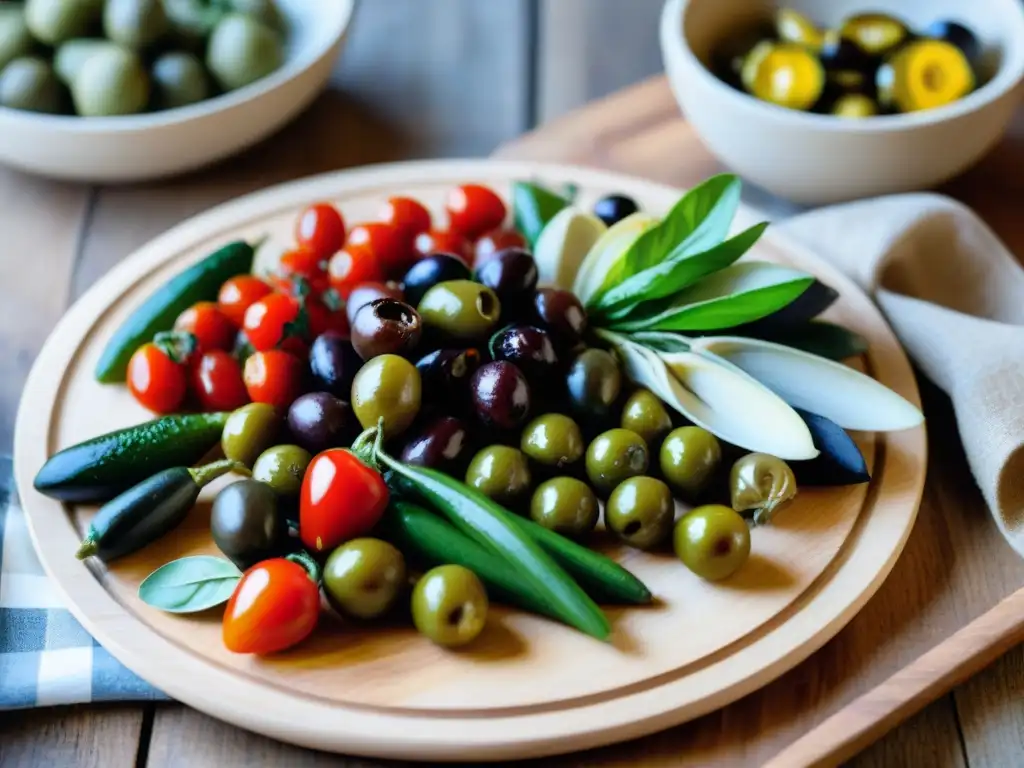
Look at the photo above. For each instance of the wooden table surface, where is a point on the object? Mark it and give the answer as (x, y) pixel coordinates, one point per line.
(403, 89)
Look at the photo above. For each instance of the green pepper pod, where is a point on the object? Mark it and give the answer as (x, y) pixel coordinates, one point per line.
(147, 511)
(200, 282)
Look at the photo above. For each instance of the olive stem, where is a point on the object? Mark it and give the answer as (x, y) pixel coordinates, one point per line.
(308, 563)
(210, 472)
(87, 548)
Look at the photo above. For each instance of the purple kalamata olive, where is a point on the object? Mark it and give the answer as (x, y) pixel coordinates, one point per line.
(431, 270)
(386, 327)
(501, 396)
(561, 313)
(364, 293)
(442, 444)
(445, 375)
(333, 364)
(319, 420)
(529, 348)
(512, 275)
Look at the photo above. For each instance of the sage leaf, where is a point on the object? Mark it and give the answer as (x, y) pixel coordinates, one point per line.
(190, 584)
(607, 252)
(820, 338)
(673, 275)
(851, 399)
(533, 206)
(564, 243)
(840, 461)
(736, 295)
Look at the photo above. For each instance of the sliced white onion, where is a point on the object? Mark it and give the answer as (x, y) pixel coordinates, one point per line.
(564, 243)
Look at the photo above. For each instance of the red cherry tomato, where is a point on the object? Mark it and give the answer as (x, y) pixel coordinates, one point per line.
(210, 326)
(217, 382)
(495, 241)
(275, 606)
(273, 376)
(341, 499)
(351, 266)
(474, 209)
(323, 319)
(407, 215)
(266, 320)
(238, 294)
(443, 241)
(156, 381)
(387, 243)
(302, 265)
(320, 229)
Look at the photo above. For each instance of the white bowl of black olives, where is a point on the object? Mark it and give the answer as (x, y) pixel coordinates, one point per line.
(821, 101)
(127, 90)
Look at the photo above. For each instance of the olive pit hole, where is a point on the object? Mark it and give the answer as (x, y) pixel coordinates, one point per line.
(486, 305)
(722, 547)
(933, 77)
(633, 527)
(455, 617)
(395, 311)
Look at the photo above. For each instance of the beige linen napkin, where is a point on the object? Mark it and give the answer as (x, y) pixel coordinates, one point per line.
(955, 297)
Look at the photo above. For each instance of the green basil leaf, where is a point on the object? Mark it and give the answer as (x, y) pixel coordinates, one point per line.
(821, 338)
(733, 296)
(677, 273)
(190, 584)
(533, 206)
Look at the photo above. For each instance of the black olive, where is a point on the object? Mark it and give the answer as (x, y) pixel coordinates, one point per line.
(445, 375)
(957, 34)
(561, 313)
(386, 327)
(246, 525)
(319, 420)
(442, 444)
(615, 208)
(333, 364)
(431, 270)
(501, 396)
(530, 349)
(512, 275)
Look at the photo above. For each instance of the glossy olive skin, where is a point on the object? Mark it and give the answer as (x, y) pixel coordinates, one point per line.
(615, 456)
(512, 274)
(431, 270)
(713, 541)
(15, 39)
(54, 21)
(446, 376)
(501, 396)
(614, 208)
(565, 505)
(282, 468)
(364, 577)
(364, 293)
(460, 310)
(29, 83)
(640, 512)
(319, 420)
(179, 79)
(449, 605)
(593, 383)
(957, 34)
(249, 431)
(246, 525)
(688, 458)
(333, 364)
(553, 440)
(562, 314)
(645, 414)
(386, 327)
(112, 81)
(387, 387)
(528, 348)
(242, 50)
(443, 444)
(134, 23)
(500, 473)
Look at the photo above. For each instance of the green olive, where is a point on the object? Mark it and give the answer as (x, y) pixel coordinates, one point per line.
(565, 505)
(364, 577)
(264, 10)
(460, 309)
(689, 457)
(191, 23)
(54, 21)
(449, 605)
(388, 387)
(553, 440)
(112, 81)
(761, 484)
(242, 50)
(645, 414)
(29, 83)
(593, 382)
(713, 541)
(15, 39)
(640, 512)
(179, 79)
(500, 473)
(69, 58)
(246, 523)
(614, 456)
(134, 23)
(249, 431)
(282, 468)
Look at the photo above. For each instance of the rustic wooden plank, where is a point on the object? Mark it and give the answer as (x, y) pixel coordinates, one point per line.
(930, 739)
(990, 713)
(91, 736)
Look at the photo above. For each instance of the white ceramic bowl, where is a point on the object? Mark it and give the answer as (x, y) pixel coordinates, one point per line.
(137, 147)
(810, 158)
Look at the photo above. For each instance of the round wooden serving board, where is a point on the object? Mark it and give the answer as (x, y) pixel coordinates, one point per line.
(529, 686)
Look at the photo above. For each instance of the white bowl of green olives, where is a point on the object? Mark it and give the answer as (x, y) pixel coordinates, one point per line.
(126, 90)
(821, 101)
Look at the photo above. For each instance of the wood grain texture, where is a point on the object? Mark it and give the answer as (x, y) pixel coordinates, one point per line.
(97, 736)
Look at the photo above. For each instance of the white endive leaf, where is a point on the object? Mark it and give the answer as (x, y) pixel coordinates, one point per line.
(609, 251)
(564, 243)
(830, 389)
(725, 402)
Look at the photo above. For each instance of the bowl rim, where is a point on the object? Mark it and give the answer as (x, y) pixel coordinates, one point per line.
(284, 75)
(1008, 77)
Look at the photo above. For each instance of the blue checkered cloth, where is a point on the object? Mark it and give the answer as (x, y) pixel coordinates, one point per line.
(46, 657)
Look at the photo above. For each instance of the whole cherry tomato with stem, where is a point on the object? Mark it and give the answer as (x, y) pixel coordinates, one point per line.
(407, 215)
(217, 382)
(474, 209)
(156, 380)
(341, 499)
(211, 327)
(443, 241)
(275, 605)
(389, 245)
(239, 293)
(352, 265)
(497, 240)
(322, 318)
(274, 377)
(321, 230)
(302, 265)
(276, 320)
